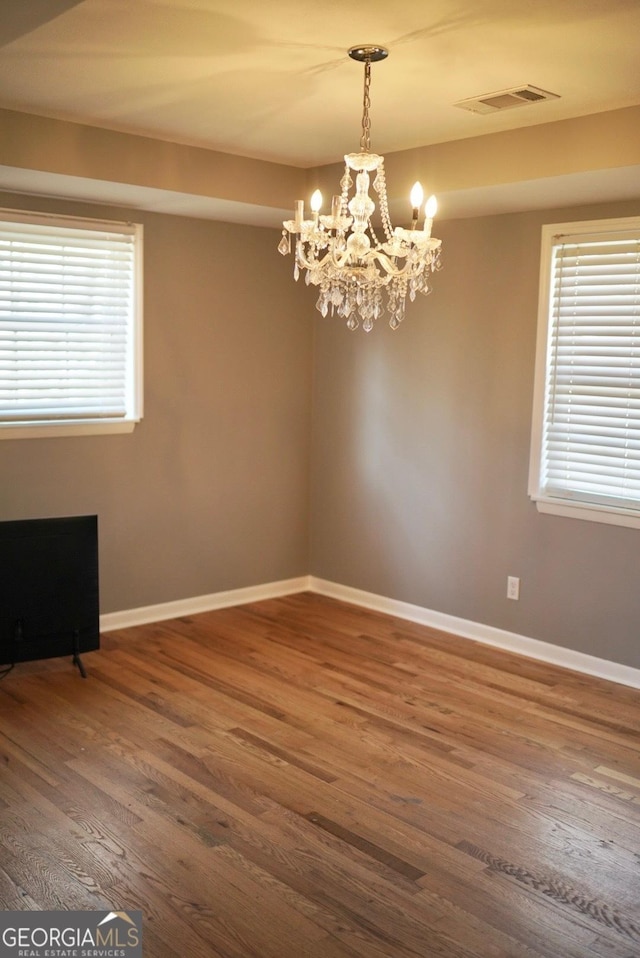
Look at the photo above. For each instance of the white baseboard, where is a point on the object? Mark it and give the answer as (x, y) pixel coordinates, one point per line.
(488, 635)
(201, 603)
(499, 638)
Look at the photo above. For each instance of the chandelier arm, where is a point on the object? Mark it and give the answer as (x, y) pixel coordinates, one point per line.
(302, 260)
(331, 257)
(391, 268)
(339, 260)
(388, 266)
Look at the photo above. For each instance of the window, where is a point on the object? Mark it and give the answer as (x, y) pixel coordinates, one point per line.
(585, 455)
(70, 325)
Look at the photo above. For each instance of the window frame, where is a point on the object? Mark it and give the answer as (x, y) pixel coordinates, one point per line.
(51, 426)
(593, 511)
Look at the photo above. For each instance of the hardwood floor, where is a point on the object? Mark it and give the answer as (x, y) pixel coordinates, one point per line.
(300, 778)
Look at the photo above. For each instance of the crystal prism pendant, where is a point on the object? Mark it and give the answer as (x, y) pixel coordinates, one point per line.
(284, 246)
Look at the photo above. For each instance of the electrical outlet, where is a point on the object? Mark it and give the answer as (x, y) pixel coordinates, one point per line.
(513, 587)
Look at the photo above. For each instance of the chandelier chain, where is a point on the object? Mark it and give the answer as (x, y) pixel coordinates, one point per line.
(365, 139)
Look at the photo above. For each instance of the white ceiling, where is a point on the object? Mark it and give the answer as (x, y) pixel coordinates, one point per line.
(271, 79)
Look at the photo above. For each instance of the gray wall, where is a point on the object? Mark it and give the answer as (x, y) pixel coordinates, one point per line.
(421, 451)
(420, 442)
(210, 491)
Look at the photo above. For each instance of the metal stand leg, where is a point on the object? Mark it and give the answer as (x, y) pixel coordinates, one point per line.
(76, 654)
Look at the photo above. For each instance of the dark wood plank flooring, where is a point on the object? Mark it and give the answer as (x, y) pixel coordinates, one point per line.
(301, 778)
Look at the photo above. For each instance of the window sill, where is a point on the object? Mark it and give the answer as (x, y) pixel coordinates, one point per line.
(45, 430)
(591, 513)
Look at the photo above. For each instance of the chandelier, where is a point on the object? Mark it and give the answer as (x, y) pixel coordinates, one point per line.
(341, 252)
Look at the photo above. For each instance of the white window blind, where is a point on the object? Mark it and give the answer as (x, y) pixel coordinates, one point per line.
(588, 435)
(69, 321)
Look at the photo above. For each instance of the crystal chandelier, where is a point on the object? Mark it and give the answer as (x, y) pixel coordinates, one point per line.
(342, 254)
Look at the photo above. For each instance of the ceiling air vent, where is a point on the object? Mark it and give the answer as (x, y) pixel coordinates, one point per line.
(506, 99)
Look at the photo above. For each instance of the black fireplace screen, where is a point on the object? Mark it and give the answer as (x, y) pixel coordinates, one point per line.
(49, 598)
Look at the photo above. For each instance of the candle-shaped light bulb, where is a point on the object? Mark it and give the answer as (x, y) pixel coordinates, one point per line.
(430, 210)
(298, 214)
(416, 196)
(316, 202)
